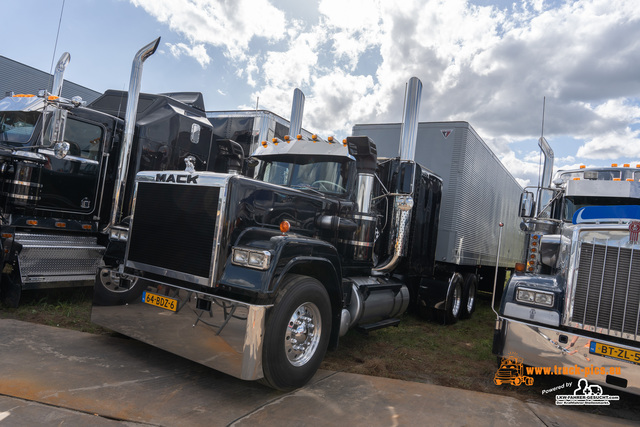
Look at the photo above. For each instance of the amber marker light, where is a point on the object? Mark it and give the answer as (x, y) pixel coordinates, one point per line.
(616, 179)
(32, 222)
(86, 227)
(7, 235)
(330, 139)
(285, 226)
(314, 137)
(61, 224)
(264, 144)
(520, 267)
(52, 98)
(298, 137)
(582, 166)
(614, 165)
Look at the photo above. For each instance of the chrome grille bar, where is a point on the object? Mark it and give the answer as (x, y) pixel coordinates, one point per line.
(606, 296)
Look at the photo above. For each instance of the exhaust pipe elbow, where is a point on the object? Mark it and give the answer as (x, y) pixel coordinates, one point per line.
(58, 76)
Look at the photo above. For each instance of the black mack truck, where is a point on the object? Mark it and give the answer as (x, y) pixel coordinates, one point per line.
(67, 171)
(257, 277)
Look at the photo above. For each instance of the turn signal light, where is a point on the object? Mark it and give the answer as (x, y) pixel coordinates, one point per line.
(285, 226)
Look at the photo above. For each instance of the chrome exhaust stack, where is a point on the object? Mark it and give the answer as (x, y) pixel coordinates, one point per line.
(297, 109)
(545, 194)
(58, 76)
(129, 128)
(403, 201)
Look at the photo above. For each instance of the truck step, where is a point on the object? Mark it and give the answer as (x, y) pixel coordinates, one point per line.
(378, 325)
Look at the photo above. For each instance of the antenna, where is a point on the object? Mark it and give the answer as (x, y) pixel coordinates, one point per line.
(257, 102)
(544, 105)
(55, 46)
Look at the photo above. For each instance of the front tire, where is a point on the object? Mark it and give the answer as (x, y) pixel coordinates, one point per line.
(296, 333)
(111, 289)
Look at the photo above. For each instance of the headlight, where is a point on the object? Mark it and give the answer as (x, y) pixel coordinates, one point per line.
(252, 258)
(531, 296)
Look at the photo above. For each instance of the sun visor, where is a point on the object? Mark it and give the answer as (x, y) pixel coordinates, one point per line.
(606, 213)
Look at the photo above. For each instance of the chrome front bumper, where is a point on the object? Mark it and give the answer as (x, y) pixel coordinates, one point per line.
(542, 347)
(220, 333)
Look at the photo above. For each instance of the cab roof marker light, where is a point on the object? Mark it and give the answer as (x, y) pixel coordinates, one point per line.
(576, 179)
(630, 179)
(287, 137)
(626, 165)
(616, 179)
(582, 166)
(264, 144)
(298, 137)
(614, 165)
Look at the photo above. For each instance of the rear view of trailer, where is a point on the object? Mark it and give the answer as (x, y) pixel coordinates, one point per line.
(478, 194)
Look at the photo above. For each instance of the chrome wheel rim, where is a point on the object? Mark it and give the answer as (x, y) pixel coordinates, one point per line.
(111, 281)
(303, 334)
(472, 297)
(457, 300)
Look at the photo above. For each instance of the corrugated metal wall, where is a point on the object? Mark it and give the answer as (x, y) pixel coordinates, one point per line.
(21, 78)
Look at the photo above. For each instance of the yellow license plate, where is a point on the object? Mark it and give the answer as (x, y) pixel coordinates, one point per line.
(160, 301)
(614, 352)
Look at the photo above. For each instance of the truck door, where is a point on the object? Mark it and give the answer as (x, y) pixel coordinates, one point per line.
(71, 184)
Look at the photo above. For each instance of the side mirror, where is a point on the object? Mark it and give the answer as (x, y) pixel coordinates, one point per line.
(61, 149)
(527, 204)
(57, 125)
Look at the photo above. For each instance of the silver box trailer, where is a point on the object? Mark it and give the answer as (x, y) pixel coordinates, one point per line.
(478, 194)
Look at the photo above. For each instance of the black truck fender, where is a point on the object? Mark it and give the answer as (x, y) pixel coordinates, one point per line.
(290, 254)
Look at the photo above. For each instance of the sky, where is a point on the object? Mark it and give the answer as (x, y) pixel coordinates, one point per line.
(492, 63)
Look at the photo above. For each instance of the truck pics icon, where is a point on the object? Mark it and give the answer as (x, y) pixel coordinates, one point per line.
(258, 270)
(511, 371)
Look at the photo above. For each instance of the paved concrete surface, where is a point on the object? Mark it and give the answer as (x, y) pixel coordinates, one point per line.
(53, 376)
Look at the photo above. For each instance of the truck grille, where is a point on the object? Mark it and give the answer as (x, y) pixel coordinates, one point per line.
(173, 230)
(607, 295)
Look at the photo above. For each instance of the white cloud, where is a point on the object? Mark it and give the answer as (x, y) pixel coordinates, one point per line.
(612, 145)
(198, 52)
(230, 25)
(486, 65)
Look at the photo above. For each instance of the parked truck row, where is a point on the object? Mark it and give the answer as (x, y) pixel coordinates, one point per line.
(240, 241)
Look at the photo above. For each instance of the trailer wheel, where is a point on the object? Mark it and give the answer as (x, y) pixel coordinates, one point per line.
(109, 289)
(469, 293)
(296, 333)
(453, 305)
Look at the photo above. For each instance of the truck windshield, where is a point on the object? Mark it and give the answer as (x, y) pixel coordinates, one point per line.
(17, 126)
(572, 204)
(324, 176)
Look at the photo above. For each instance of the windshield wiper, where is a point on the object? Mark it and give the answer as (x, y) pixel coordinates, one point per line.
(307, 187)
